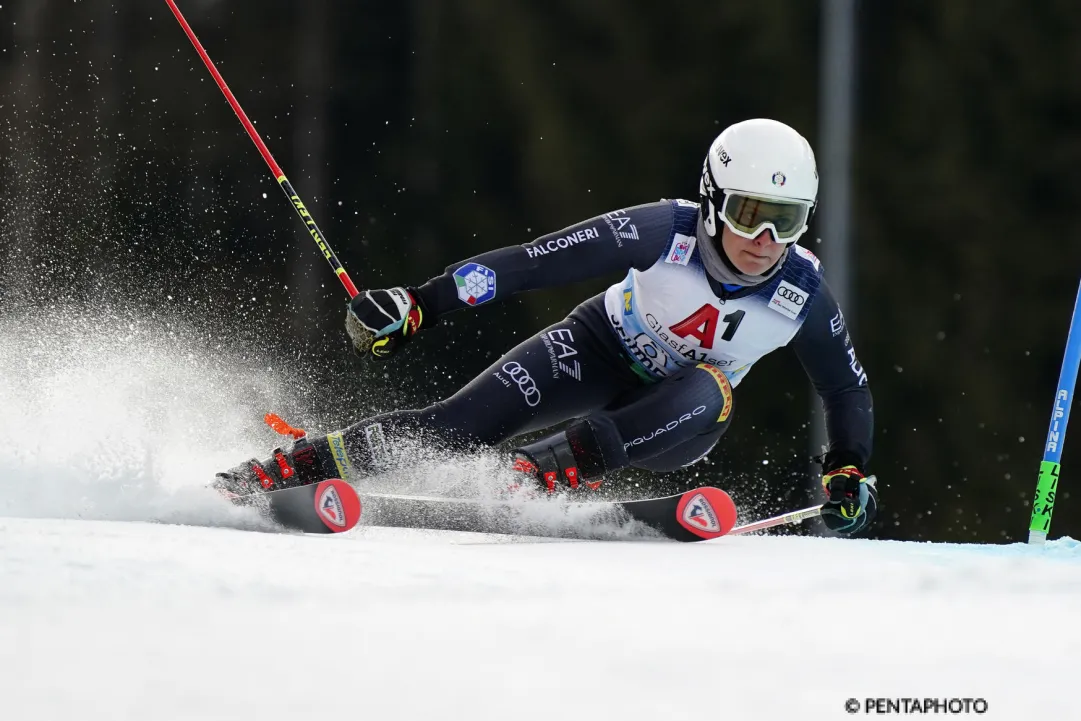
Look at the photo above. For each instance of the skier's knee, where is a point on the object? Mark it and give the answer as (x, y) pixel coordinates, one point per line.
(684, 454)
(713, 390)
(697, 400)
(691, 409)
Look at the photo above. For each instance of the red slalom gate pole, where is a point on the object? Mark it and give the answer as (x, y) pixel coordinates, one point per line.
(286, 186)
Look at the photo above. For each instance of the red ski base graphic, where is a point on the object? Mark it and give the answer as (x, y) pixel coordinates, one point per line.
(706, 512)
(337, 505)
(696, 515)
(325, 507)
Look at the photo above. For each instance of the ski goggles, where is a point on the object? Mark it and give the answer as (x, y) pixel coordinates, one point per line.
(748, 215)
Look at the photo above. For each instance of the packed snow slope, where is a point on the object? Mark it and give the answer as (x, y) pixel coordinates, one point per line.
(127, 591)
(128, 620)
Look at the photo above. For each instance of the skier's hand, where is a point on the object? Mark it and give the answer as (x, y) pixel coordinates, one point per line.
(852, 500)
(380, 322)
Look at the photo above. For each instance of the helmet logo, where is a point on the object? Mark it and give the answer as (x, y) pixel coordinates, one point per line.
(723, 155)
(779, 179)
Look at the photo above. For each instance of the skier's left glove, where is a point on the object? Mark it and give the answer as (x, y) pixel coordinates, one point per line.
(852, 500)
(380, 322)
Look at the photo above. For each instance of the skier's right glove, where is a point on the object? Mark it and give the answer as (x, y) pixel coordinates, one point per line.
(380, 322)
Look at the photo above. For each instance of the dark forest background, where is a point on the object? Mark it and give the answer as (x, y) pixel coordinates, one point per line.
(421, 132)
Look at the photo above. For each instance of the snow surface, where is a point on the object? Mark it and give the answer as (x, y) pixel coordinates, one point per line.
(111, 609)
(126, 620)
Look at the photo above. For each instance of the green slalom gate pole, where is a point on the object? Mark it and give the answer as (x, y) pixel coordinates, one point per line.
(1047, 486)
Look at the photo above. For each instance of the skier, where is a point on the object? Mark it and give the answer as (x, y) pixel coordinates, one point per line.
(645, 370)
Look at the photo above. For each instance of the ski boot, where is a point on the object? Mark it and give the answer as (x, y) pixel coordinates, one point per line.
(303, 463)
(568, 459)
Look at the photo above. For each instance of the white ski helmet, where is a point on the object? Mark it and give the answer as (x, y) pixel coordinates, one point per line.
(759, 174)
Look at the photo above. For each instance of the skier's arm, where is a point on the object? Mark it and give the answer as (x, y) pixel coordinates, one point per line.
(825, 350)
(624, 239)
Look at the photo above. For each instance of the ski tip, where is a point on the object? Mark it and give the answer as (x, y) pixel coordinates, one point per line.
(337, 505)
(706, 512)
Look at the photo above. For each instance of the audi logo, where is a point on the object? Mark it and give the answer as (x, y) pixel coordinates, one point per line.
(525, 382)
(791, 295)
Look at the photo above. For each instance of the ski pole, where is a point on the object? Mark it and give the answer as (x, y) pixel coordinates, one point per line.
(1047, 485)
(786, 519)
(286, 186)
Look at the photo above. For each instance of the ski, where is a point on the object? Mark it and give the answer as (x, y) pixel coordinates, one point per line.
(696, 515)
(330, 506)
(333, 506)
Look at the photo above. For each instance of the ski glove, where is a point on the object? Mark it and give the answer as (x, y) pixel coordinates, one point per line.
(852, 500)
(380, 322)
